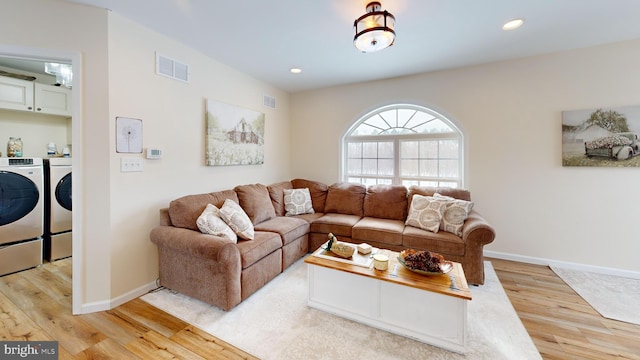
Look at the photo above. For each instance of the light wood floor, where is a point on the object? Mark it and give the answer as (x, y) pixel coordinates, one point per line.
(561, 324)
(36, 305)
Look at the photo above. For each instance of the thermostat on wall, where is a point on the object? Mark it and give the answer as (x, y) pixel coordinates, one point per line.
(154, 153)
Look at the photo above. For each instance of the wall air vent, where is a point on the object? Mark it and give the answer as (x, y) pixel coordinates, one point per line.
(171, 68)
(269, 101)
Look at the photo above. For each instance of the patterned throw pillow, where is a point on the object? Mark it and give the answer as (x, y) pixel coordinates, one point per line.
(237, 219)
(455, 214)
(209, 222)
(426, 212)
(297, 202)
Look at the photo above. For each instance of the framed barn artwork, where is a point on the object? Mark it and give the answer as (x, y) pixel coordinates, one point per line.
(601, 137)
(235, 136)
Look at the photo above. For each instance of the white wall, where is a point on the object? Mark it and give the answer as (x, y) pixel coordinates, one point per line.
(510, 113)
(173, 116)
(35, 130)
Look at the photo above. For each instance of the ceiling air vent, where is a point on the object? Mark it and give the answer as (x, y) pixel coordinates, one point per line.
(269, 101)
(171, 68)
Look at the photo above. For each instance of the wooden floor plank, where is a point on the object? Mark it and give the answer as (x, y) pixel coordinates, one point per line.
(116, 326)
(208, 346)
(153, 345)
(107, 349)
(56, 287)
(151, 317)
(15, 325)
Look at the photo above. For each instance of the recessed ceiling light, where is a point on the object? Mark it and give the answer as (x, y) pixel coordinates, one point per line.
(513, 24)
(295, 70)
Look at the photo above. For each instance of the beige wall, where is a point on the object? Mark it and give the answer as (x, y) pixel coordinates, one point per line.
(173, 115)
(510, 113)
(35, 130)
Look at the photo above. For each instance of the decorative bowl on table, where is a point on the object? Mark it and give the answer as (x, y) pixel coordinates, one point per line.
(424, 262)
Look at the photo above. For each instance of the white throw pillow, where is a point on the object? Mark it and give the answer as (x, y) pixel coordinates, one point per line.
(426, 212)
(209, 222)
(237, 219)
(297, 202)
(455, 214)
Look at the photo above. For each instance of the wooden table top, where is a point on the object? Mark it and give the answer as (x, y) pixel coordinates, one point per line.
(436, 283)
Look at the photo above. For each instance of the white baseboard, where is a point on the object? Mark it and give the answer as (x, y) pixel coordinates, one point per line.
(564, 264)
(117, 301)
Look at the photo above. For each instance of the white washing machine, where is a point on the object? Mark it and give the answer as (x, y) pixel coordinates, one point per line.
(21, 213)
(58, 224)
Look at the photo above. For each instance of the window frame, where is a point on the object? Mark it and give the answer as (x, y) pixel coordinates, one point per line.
(455, 134)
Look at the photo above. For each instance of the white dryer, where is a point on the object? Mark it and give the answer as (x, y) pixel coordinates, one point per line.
(21, 213)
(58, 223)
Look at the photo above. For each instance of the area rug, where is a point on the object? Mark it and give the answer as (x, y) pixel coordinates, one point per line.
(614, 297)
(276, 323)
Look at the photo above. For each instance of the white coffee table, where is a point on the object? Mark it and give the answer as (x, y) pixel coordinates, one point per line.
(426, 308)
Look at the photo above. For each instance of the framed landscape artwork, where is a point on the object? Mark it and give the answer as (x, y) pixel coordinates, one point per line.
(235, 136)
(601, 137)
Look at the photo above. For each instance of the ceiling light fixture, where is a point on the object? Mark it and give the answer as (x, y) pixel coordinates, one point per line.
(513, 24)
(375, 29)
(295, 70)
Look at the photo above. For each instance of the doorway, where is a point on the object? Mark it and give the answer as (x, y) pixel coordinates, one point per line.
(32, 59)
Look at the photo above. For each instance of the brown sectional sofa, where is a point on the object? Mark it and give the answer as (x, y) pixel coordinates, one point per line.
(223, 273)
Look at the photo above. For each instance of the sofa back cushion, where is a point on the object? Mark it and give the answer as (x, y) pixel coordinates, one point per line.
(386, 202)
(461, 194)
(317, 190)
(276, 193)
(256, 202)
(184, 211)
(345, 198)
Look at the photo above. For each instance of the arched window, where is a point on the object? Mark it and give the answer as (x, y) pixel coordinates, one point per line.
(403, 144)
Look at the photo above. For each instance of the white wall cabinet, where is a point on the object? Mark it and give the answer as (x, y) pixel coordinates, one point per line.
(16, 94)
(54, 100)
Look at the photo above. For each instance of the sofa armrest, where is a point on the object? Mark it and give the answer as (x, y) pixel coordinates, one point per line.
(205, 267)
(476, 233)
(477, 230)
(195, 244)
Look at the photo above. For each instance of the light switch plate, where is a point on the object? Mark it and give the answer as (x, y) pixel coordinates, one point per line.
(131, 165)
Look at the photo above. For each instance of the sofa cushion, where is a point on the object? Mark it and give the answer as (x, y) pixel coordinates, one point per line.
(209, 222)
(386, 202)
(384, 231)
(345, 198)
(276, 193)
(237, 219)
(426, 212)
(461, 194)
(256, 202)
(184, 211)
(310, 218)
(289, 228)
(443, 242)
(338, 224)
(262, 245)
(297, 202)
(317, 190)
(455, 214)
